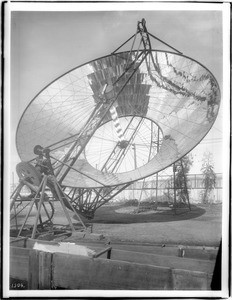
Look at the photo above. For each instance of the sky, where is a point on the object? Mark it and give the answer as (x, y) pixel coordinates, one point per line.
(46, 44)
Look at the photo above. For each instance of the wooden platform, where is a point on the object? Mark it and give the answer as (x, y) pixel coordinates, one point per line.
(130, 269)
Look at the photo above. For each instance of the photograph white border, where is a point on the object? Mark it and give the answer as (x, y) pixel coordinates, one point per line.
(17, 6)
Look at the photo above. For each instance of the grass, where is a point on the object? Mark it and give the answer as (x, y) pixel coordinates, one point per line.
(201, 226)
(109, 215)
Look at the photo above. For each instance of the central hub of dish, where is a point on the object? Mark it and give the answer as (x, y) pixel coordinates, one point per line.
(123, 144)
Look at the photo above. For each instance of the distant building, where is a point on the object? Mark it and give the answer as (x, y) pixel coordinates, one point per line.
(164, 187)
(142, 190)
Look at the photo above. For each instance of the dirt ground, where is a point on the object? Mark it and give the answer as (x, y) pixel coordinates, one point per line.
(201, 226)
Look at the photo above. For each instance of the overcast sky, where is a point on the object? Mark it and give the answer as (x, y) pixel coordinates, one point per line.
(44, 45)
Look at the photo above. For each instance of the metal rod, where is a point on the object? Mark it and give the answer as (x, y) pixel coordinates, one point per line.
(131, 139)
(157, 174)
(16, 192)
(123, 44)
(119, 191)
(70, 167)
(67, 156)
(96, 199)
(149, 156)
(174, 186)
(135, 161)
(38, 216)
(71, 205)
(63, 205)
(20, 210)
(126, 70)
(30, 207)
(40, 219)
(155, 37)
(129, 56)
(74, 135)
(115, 147)
(45, 209)
(16, 222)
(140, 196)
(135, 36)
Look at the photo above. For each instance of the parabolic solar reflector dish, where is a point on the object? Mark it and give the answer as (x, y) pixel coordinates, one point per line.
(175, 97)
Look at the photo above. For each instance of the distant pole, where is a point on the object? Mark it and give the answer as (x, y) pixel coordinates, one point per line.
(12, 181)
(135, 160)
(157, 176)
(174, 187)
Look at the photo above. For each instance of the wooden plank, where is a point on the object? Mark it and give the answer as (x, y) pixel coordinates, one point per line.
(200, 254)
(149, 258)
(19, 263)
(189, 280)
(31, 265)
(18, 242)
(33, 271)
(164, 261)
(79, 272)
(45, 270)
(190, 252)
(106, 251)
(173, 262)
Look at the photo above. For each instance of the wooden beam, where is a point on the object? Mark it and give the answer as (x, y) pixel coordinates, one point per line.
(19, 263)
(164, 261)
(33, 266)
(87, 273)
(128, 270)
(33, 270)
(189, 280)
(45, 270)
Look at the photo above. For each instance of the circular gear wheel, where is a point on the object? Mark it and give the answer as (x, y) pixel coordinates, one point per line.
(29, 173)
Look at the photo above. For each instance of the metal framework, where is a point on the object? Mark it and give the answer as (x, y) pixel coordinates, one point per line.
(174, 97)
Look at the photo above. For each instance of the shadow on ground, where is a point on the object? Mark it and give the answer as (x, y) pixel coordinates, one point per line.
(108, 215)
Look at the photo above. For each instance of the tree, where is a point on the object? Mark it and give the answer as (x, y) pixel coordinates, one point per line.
(181, 169)
(209, 176)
